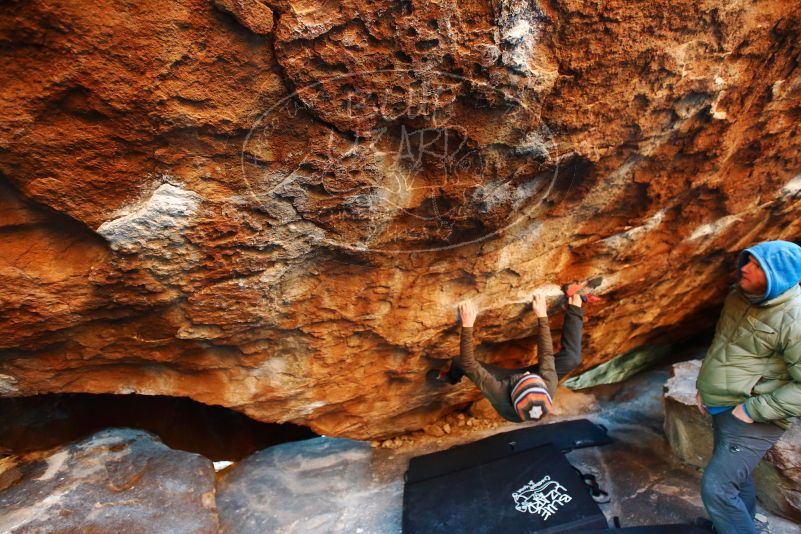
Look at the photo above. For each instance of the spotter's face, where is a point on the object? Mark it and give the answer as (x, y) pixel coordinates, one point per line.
(752, 277)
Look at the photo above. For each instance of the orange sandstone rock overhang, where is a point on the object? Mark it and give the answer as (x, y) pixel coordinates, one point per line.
(276, 207)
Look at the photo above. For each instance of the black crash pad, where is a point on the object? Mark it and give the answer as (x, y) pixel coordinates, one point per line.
(565, 436)
(654, 529)
(536, 490)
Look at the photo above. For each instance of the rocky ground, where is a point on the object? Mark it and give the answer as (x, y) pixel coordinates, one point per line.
(339, 485)
(118, 480)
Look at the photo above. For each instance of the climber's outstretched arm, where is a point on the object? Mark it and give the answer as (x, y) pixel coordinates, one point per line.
(547, 369)
(486, 382)
(569, 357)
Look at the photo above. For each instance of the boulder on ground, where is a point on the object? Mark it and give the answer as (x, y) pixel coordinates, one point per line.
(689, 433)
(118, 480)
(317, 485)
(778, 477)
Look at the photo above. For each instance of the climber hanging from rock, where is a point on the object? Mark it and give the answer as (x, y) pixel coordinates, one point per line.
(522, 394)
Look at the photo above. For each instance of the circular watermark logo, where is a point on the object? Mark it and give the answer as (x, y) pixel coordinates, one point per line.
(431, 161)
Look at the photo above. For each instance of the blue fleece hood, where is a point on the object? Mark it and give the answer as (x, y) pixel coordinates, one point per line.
(781, 261)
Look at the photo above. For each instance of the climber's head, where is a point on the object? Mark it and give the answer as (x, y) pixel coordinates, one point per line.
(530, 398)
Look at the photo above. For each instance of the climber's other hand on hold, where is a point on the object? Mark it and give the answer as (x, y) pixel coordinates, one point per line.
(468, 313)
(574, 289)
(540, 305)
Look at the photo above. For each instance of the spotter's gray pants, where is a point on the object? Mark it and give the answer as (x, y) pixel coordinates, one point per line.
(727, 488)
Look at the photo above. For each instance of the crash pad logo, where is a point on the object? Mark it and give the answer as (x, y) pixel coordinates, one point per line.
(542, 498)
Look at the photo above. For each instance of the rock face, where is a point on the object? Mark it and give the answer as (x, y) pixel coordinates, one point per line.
(309, 486)
(778, 475)
(689, 432)
(317, 485)
(275, 206)
(118, 480)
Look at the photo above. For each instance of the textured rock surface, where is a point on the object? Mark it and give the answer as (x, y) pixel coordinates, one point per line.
(778, 475)
(689, 432)
(118, 480)
(275, 205)
(317, 485)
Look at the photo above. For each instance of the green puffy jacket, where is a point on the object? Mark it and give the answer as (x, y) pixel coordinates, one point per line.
(755, 358)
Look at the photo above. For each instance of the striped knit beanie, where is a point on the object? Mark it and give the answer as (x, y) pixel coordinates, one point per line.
(530, 398)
